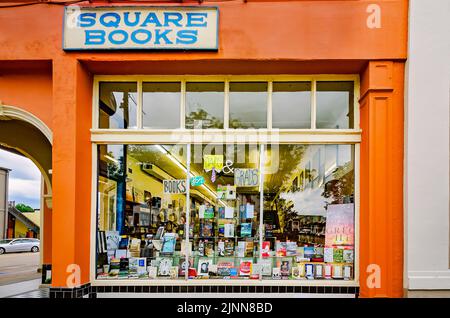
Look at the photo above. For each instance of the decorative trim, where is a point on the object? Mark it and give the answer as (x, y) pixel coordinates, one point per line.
(18, 113)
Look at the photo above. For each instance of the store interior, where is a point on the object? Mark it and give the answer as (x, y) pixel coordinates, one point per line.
(302, 228)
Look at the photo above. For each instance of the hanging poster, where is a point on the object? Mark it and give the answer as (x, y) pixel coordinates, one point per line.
(174, 186)
(246, 177)
(213, 162)
(340, 225)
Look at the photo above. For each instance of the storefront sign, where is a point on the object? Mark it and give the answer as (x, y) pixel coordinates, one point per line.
(174, 186)
(213, 162)
(125, 28)
(197, 181)
(246, 177)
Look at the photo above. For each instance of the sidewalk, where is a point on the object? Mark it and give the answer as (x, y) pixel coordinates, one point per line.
(27, 287)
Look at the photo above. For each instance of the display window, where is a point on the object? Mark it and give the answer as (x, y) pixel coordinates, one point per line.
(221, 209)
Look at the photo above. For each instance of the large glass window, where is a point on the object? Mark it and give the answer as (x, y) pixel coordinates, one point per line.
(291, 105)
(248, 105)
(161, 105)
(334, 105)
(204, 105)
(141, 211)
(117, 105)
(309, 212)
(306, 199)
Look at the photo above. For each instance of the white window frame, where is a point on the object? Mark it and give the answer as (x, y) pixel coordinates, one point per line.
(226, 135)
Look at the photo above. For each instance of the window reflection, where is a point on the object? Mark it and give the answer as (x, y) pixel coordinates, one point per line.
(161, 105)
(248, 105)
(141, 218)
(117, 105)
(334, 105)
(309, 212)
(291, 105)
(204, 105)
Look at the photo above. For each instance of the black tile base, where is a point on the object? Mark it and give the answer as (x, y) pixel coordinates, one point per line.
(226, 289)
(76, 292)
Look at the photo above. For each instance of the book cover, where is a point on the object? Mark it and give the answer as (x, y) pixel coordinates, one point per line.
(221, 248)
(229, 248)
(319, 271)
(152, 272)
(249, 211)
(209, 213)
(209, 248)
(327, 271)
(256, 270)
(337, 271)
(318, 254)
(296, 272)
(265, 249)
(276, 273)
(280, 248)
(246, 229)
(285, 268)
(183, 265)
(266, 267)
(203, 266)
(169, 241)
(328, 255)
(112, 240)
(245, 267)
(221, 212)
(309, 252)
(229, 212)
(300, 252)
(229, 230)
(291, 248)
(240, 251)
(224, 268)
(249, 247)
(173, 273)
(183, 248)
(347, 256)
(206, 229)
(231, 192)
(347, 272)
(242, 211)
(309, 271)
(165, 264)
(338, 255)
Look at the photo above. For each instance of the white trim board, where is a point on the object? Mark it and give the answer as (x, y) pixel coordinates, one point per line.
(419, 280)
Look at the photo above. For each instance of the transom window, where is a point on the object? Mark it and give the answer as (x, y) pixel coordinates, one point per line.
(226, 103)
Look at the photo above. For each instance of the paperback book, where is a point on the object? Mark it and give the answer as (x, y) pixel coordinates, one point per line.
(246, 229)
(245, 267)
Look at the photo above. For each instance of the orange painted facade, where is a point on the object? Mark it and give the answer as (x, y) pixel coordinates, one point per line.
(257, 37)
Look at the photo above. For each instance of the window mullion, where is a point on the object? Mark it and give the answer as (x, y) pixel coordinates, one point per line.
(261, 202)
(313, 104)
(226, 110)
(188, 210)
(183, 104)
(269, 104)
(139, 105)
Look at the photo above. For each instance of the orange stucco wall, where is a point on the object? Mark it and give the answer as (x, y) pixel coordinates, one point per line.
(254, 37)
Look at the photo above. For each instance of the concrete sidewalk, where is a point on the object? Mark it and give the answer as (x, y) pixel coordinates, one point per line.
(19, 288)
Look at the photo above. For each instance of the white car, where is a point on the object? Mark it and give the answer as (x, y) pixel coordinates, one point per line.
(19, 245)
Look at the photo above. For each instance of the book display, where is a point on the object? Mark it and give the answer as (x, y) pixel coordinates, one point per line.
(303, 210)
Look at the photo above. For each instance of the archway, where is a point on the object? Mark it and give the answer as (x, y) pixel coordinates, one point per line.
(23, 133)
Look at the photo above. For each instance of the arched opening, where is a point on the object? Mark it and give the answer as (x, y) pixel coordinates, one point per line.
(24, 135)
